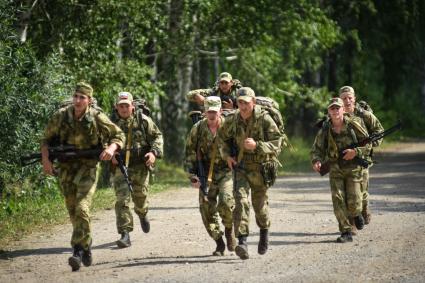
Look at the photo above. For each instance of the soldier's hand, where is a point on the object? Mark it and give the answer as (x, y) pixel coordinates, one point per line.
(250, 144)
(195, 183)
(227, 104)
(349, 154)
(114, 161)
(231, 162)
(150, 159)
(199, 99)
(316, 166)
(108, 153)
(48, 167)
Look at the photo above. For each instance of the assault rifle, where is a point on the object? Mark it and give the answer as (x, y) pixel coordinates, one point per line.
(67, 152)
(199, 169)
(325, 168)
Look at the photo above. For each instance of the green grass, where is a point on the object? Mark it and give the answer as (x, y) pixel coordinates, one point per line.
(296, 159)
(23, 215)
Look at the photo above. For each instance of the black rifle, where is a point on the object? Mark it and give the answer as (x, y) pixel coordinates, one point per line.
(325, 168)
(199, 169)
(67, 152)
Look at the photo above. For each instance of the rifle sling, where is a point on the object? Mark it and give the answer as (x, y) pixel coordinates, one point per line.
(128, 147)
(213, 154)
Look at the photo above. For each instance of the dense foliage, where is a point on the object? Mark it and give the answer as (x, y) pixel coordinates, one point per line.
(299, 52)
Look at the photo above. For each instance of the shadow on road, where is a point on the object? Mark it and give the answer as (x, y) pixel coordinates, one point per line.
(31, 252)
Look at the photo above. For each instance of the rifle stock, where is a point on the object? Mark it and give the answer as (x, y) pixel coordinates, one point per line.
(325, 168)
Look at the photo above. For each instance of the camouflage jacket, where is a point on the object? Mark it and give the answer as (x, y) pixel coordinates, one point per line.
(215, 91)
(327, 143)
(145, 136)
(201, 136)
(260, 127)
(372, 123)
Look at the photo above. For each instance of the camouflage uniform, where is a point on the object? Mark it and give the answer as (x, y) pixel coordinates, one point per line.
(221, 185)
(248, 175)
(145, 136)
(77, 177)
(345, 176)
(373, 126)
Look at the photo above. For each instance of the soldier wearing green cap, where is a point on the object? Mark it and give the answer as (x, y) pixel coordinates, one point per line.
(345, 173)
(253, 135)
(225, 88)
(144, 144)
(219, 203)
(373, 126)
(84, 127)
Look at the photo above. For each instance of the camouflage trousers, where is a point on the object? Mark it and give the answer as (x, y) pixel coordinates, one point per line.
(365, 187)
(220, 204)
(250, 179)
(139, 175)
(346, 195)
(78, 183)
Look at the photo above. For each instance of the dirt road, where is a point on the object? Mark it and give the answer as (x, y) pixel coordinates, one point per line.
(302, 248)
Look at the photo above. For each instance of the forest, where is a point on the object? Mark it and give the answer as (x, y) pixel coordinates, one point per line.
(297, 52)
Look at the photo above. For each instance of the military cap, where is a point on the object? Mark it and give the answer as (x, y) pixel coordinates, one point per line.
(225, 76)
(212, 103)
(245, 93)
(335, 101)
(84, 88)
(345, 89)
(125, 97)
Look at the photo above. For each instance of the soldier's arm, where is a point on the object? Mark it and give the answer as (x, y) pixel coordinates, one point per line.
(373, 126)
(155, 138)
(190, 148)
(197, 95)
(51, 131)
(225, 138)
(273, 138)
(110, 133)
(317, 152)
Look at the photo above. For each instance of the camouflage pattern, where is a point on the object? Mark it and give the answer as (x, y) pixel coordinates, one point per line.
(220, 202)
(78, 178)
(215, 91)
(345, 176)
(373, 126)
(84, 88)
(261, 127)
(147, 137)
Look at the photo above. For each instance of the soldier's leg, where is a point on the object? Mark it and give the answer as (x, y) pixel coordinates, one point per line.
(365, 191)
(241, 213)
(140, 179)
(354, 199)
(124, 218)
(225, 207)
(339, 204)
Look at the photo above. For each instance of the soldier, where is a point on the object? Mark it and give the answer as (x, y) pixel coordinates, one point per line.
(226, 89)
(144, 145)
(253, 134)
(373, 126)
(203, 141)
(345, 173)
(84, 127)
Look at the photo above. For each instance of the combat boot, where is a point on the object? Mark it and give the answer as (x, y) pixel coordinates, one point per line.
(146, 225)
(230, 239)
(124, 242)
(221, 246)
(75, 260)
(353, 226)
(366, 214)
(345, 237)
(242, 248)
(263, 244)
(359, 221)
(87, 258)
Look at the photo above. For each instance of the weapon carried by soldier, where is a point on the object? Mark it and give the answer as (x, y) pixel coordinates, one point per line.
(67, 152)
(325, 167)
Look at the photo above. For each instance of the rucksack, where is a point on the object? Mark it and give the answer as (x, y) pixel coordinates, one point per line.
(140, 105)
(364, 106)
(272, 108)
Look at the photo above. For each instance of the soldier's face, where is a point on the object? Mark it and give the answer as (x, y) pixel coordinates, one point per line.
(225, 86)
(80, 101)
(213, 115)
(246, 108)
(349, 101)
(336, 112)
(124, 110)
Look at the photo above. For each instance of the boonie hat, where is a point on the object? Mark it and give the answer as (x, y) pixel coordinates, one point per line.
(346, 88)
(225, 76)
(245, 93)
(124, 97)
(335, 101)
(212, 103)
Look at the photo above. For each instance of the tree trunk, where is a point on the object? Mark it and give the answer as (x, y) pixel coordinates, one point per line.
(332, 70)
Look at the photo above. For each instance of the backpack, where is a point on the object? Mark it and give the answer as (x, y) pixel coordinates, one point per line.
(140, 106)
(270, 106)
(364, 106)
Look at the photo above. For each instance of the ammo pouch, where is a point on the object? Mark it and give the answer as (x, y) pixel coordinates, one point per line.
(269, 172)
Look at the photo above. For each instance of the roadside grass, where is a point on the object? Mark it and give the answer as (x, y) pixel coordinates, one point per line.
(23, 215)
(296, 158)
